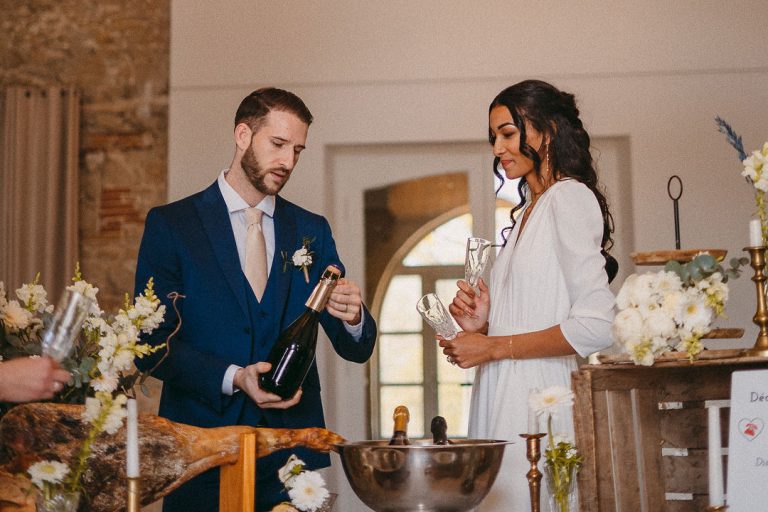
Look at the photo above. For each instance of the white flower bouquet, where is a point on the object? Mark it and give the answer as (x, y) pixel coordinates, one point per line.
(101, 365)
(305, 488)
(671, 309)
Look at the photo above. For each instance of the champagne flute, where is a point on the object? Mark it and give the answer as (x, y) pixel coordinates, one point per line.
(59, 337)
(478, 252)
(436, 315)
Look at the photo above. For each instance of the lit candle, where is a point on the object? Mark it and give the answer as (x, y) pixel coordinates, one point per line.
(755, 233)
(715, 458)
(132, 442)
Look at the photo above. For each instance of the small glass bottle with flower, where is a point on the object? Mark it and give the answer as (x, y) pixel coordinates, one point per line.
(561, 459)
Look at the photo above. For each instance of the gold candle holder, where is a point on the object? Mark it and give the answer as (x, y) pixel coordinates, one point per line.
(757, 262)
(533, 454)
(134, 495)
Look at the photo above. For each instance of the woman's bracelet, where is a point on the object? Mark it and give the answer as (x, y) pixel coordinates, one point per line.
(511, 353)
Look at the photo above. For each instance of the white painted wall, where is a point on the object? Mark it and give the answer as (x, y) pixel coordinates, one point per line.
(653, 73)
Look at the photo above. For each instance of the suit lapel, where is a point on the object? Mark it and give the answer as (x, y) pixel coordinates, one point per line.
(215, 218)
(285, 241)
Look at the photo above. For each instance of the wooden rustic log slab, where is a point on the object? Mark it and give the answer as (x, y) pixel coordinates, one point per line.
(724, 333)
(681, 255)
(706, 357)
(170, 453)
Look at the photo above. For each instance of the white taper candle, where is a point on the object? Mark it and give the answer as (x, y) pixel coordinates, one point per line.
(132, 441)
(755, 233)
(715, 458)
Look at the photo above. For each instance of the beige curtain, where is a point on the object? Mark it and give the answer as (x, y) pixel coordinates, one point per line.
(38, 186)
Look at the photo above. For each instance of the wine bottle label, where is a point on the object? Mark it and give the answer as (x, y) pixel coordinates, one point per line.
(322, 291)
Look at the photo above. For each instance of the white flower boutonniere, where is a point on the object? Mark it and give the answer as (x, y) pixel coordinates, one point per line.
(302, 257)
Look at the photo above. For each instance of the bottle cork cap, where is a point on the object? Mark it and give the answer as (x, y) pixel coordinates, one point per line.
(401, 417)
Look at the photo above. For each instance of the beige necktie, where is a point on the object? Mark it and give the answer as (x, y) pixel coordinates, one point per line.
(255, 253)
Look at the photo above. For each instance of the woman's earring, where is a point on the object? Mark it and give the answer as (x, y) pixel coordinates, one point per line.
(548, 169)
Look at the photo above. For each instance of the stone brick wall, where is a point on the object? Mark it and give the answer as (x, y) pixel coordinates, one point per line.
(117, 54)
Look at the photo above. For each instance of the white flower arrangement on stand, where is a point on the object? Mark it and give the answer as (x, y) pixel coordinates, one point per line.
(671, 309)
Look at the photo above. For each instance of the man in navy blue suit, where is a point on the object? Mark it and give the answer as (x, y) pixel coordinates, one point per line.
(199, 247)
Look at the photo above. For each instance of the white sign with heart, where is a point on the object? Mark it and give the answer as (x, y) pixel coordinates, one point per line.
(747, 447)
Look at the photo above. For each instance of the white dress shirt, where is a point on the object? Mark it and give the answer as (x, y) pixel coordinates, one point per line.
(236, 207)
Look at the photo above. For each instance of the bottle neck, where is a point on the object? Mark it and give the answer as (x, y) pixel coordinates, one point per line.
(322, 291)
(320, 295)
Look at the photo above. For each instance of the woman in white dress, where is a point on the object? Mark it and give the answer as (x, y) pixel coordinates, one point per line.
(548, 298)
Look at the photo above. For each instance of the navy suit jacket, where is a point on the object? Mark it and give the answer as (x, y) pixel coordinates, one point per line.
(188, 247)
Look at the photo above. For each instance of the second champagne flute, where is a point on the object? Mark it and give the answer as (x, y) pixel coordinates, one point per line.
(436, 315)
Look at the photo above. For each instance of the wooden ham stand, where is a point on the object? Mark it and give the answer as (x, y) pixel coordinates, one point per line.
(238, 481)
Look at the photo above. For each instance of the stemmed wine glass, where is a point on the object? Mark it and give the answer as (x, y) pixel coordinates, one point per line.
(59, 337)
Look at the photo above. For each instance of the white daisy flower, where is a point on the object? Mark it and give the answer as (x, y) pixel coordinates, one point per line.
(550, 399)
(47, 471)
(308, 492)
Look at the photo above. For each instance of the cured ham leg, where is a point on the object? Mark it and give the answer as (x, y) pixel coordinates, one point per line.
(170, 453)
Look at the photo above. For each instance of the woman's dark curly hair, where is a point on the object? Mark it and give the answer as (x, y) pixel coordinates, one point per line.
(554, 113)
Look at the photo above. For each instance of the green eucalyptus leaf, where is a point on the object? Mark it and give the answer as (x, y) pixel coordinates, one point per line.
(696, 273)
(705, 262)
(674, 266)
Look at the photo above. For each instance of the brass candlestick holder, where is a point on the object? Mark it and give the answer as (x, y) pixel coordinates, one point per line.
(533, 454)
(134, 495)
(757, 262)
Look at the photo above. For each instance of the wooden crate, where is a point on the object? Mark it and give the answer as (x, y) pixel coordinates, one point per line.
(643, 432)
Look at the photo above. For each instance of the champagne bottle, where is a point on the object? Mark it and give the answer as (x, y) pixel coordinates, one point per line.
(400, 434)
(294, 349)
(439, 428)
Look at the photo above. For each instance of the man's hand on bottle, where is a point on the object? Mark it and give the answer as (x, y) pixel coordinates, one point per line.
(247, 380)
(345, 302)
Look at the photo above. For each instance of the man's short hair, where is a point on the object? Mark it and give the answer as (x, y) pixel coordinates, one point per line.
(255, 107)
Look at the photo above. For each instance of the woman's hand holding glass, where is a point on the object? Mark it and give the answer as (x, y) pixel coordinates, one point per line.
(468, 349)
(470, 309)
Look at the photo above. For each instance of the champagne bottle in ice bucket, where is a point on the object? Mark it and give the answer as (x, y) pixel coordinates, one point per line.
(400, 433)
(439, 429)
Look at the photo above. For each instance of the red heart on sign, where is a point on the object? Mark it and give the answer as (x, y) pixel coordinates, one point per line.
(751, 428)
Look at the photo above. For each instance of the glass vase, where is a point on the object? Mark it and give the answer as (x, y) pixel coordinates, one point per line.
(561, 489)
(59, 502)
(327, 505)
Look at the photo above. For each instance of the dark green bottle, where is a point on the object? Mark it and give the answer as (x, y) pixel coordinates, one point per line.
(294, 350)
